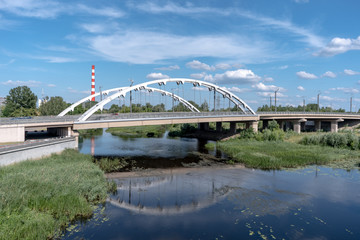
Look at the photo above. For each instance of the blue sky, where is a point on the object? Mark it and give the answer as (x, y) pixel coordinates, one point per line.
(301, 47)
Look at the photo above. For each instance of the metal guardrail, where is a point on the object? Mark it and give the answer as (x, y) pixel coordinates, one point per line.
(99, 117)
(308, 113)
(153, 115)
(43, 119)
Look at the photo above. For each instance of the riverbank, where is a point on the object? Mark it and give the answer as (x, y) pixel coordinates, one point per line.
(286, 154)
(40, 198)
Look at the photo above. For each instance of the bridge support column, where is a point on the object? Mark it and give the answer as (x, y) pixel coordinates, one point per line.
(265, 124)
(334, 124)
(218, 126)
(297, 125)
(253, 124)
(203, 126)
(233, 127)
(12, 133)
(281, 124)
(317, 125)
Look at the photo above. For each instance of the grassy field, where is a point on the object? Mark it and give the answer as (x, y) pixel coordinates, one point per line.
(284, 154)
(139, 131)
(39, 198)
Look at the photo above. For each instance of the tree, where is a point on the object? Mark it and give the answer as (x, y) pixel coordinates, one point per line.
(21, 101)
(54, 106)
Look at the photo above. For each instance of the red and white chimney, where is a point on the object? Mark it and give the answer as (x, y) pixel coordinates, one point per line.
(93, 82)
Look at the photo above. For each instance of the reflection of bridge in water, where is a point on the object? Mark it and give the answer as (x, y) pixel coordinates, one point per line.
(165, 195)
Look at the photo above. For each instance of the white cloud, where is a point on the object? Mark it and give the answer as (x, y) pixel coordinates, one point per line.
(351, 72)
(51, 9)
(97, 11)
(237, 90)
(198, 75)
(195, 64)
(339, 45)
(300, 88)
(331, 99)
(283, 67)
(268, 79)
(329, 74)
(301, 1)
(222, 66)
(306, 75)
(272, 94)
(154, 76)
(71, 90)
(51, 85)
(236, 77)
(29, 83)
(306, 35)
(262, 87)
(152, 47)
(94, 27)
(52, 59)
(345, 90)
(169, 68)
(8, 63)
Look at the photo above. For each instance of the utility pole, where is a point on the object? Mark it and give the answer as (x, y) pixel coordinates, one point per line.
(318, 103)
(100, 93)
(172, 96)
(100, 96)
(275, 99)
(350, 104)
(304, 104)
(131, 95)
(270, 103)
(214, 100)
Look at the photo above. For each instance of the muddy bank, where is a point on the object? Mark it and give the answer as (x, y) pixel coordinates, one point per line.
(114, 165)
(171, 171)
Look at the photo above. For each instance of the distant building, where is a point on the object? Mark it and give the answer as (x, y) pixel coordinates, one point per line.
(2, 101)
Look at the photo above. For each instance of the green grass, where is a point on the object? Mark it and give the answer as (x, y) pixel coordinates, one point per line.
(138, 131)
(39, 198)
(278, 154)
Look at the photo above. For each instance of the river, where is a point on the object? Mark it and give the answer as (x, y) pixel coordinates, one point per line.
(219, 202)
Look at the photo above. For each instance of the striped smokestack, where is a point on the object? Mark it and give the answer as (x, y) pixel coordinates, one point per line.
(93, 82)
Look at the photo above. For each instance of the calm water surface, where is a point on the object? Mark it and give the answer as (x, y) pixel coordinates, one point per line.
(232, 203)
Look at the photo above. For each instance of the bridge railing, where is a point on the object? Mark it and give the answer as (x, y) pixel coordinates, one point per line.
(37, 119)
(73, 118)
(308, 113)
(164, 115)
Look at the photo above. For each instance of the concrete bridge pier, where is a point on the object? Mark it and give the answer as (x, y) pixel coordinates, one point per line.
(317, 125)
(203, 126)
(253, 124)
(233, 127)
(297, 125)
(334, 124)
(218, 126)
(12, 133)
(265, 124)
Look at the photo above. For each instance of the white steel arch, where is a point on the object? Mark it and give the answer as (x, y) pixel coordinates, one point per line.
(121, 93)
(106, 92)
(88, 98)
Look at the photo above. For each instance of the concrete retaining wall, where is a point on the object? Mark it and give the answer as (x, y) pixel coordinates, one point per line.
(35, 150)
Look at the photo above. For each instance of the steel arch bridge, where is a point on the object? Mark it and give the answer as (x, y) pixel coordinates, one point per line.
(115, 93)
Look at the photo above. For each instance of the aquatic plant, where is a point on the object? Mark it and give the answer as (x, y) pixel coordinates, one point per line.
(39, 198)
